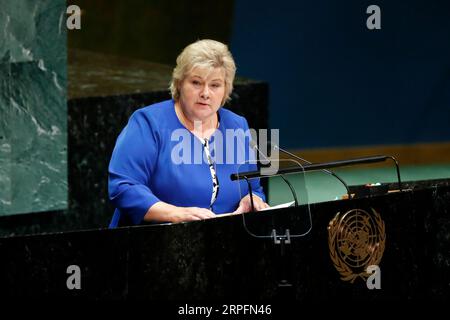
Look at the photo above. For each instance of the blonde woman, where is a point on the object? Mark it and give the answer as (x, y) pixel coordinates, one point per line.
(165, 166)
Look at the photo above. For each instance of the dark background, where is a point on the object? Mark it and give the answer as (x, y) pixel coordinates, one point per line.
(332, 81)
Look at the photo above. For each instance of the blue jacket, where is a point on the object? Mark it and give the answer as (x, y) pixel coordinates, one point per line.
(157, 159)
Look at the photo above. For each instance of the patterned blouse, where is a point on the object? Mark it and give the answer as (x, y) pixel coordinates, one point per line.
(212, 169)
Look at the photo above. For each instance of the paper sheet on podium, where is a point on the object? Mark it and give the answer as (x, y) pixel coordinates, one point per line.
(283, 205)
(279, 206)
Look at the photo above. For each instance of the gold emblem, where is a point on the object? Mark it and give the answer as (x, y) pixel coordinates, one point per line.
(356, 240)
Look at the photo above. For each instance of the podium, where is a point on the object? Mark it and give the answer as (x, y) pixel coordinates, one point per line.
(217, 259)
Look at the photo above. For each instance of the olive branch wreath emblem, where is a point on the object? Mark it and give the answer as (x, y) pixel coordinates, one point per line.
(337, 227)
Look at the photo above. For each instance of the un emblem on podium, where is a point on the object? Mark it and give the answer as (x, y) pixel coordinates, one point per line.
(356, 240)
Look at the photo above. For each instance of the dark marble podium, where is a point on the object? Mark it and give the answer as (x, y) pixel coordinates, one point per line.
(218, 260)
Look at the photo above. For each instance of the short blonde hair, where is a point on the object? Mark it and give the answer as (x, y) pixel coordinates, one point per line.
(204, 54)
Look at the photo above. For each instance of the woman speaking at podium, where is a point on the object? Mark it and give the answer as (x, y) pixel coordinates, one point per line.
(153, 177)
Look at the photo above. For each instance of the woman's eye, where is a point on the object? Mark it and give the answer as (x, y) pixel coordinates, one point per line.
(195, 83)
(215, 85)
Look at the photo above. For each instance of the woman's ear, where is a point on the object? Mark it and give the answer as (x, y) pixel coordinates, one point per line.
(178, 86)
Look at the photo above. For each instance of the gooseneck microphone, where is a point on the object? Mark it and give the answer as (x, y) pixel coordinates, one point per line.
(275, 146)
(253, 145)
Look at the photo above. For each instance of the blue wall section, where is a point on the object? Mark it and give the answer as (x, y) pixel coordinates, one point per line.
(333, 82)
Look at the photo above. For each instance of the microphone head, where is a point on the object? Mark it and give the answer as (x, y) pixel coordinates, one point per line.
(271, 145)
(266, 161)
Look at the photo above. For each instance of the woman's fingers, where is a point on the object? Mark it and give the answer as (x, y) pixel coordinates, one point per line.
(239, 210)
(259, 204)
(200, 213)
(207, 213)
(246, 206)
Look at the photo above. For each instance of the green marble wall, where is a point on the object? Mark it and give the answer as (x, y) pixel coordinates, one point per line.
(33, 107)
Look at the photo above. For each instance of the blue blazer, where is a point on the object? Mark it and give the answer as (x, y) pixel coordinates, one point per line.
(157, 159)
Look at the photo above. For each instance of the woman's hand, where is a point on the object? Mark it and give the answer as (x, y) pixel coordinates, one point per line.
(246, 206)
(164, 212)
(183, 214)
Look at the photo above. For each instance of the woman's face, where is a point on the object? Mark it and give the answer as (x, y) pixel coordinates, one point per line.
(202, 92)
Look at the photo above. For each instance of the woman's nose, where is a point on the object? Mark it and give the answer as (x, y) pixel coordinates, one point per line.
(205, 92)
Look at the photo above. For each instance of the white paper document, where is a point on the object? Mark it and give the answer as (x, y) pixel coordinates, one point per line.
(279, 206)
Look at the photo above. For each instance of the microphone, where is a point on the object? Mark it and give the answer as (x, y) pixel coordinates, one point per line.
(275, 146)
(254, 146)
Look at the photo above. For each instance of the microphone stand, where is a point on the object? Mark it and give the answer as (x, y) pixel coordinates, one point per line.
(294, 194)
(285, 287)
(251, 193)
